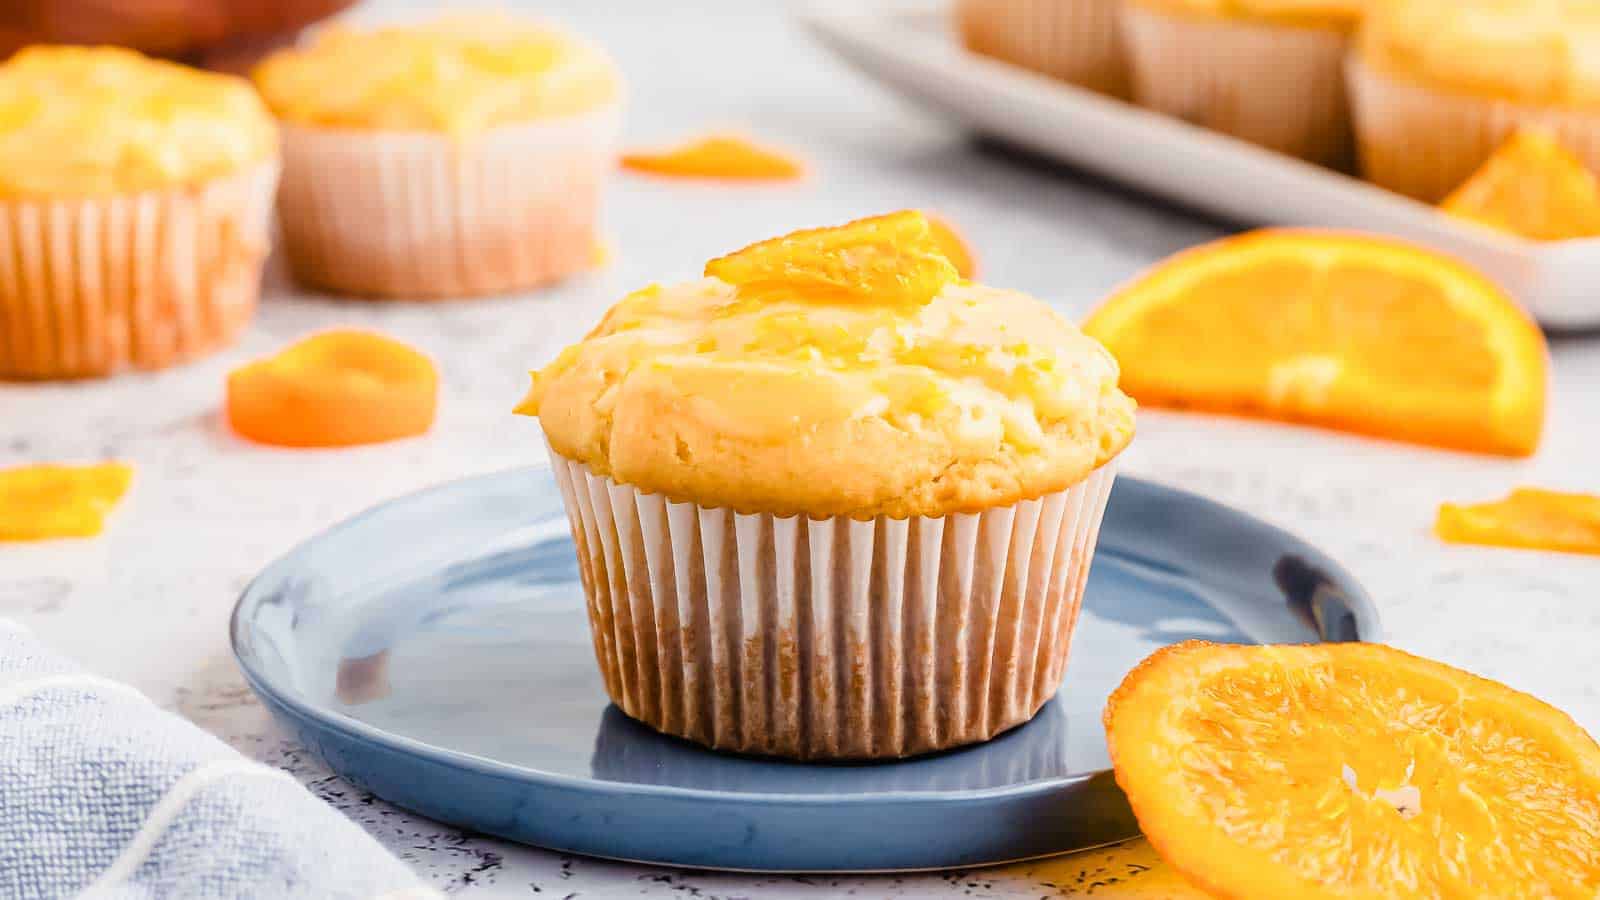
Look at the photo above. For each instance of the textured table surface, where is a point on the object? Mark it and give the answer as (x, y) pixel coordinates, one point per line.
(148, 601)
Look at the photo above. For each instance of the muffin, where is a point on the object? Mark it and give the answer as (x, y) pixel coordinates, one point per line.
(135, 197)
(831, 501)
(1265, 71)
(1438, 87)
(457, 157)
(1074, 40)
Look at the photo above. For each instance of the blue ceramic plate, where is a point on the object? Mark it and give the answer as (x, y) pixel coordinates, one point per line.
(435, 651)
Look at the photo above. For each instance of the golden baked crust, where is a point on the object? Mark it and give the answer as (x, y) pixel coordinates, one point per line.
(1542, 52)
(87, 121)
(1340, 14)
(459, 75)
(835, 406)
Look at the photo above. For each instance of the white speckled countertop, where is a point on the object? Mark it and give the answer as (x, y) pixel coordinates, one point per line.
(148, 601)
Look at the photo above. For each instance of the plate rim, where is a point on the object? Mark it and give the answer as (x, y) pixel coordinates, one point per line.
(1368, 629)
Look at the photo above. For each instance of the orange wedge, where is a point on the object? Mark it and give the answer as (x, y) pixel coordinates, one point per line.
(1529, 518)
(1353, 771)
(1358, 333)
(883, 259)
(1534, 187)
(41, 502)
(334, 389)
(718, 156)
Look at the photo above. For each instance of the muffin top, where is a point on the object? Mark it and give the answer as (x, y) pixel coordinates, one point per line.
(460, 75)
(837, 372)
(1545, 52)
(80, 121)
(1342, 14)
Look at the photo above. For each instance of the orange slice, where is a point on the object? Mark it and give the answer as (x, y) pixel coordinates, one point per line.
(891, 259)
(717, 156)
(1359, 333)
(1353, 771)
(1529, 518)
(953, 246)
(334, 389)
(1534, 187)
(41, 502)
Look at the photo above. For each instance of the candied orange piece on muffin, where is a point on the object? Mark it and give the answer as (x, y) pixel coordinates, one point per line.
(1353, 770)
(718, 156)
(41, 502)
(883, 259)
(334, 389)
(1529, 518)
(1533, 187)
(954, 247)
(1345, 331)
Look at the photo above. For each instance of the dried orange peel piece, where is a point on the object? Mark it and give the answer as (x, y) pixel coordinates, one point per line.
(890, 259)
(1533, 187)
(1353, 771)
(1529, 518)
(1346, 331)
(334, 389)
(953, 246)
(42, 502)
(724, 156)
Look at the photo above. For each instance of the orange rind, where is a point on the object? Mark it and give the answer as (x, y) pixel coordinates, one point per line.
(1530, 518)
(722, 156)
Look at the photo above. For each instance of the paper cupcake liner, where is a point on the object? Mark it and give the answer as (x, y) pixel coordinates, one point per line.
(1278, 86)
(424, 215)
(1074, 40)
(1425, 143)
(830, 638)
(93, 285)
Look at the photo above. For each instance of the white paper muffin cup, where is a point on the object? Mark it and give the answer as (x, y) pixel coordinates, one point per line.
(1278, 86)
(1077, 41)
(93, 285)
(419, 215)
(830, 638)
(1425, 143)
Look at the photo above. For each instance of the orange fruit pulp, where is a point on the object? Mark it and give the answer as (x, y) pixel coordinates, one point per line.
(1353, 771)
(717, 156)
(889, 259)
(334, 389)
(1359, 333)
(41, 502)
(1533, 187)
(1529, 518)
(952, 245)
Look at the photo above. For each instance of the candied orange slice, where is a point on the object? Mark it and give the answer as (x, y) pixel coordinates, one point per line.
(1353, 771)
(1345, 331)
(891, 259)
(954, 247)
(334, 389)
(41, 502)
(1530, 518)
(1534, 187)
(718, 156)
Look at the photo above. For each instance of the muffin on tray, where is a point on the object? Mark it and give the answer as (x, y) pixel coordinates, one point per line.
(831, 501)
(135, 198)
(1438, 87)
(1078, 41)
(1267, 71)
(457, 157)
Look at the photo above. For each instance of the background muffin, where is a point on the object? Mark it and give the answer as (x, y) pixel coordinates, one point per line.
(462, 156)
(1267, 71)
(831, 502)
(134, 204)
(1074, 40)
(1437, 87)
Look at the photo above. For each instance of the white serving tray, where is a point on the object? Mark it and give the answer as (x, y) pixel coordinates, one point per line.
(909, 46)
